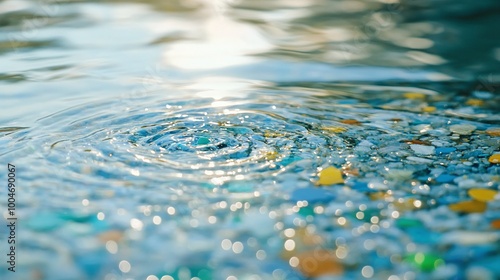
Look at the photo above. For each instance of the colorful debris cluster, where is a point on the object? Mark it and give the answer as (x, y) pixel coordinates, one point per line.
(396, 184)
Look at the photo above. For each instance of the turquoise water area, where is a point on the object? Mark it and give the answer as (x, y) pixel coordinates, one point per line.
(235, 139)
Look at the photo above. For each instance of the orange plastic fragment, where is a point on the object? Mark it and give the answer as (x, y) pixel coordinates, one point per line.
(319, 262)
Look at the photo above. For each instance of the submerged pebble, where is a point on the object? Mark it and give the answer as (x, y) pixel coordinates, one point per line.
(423, 149)
(462, 129)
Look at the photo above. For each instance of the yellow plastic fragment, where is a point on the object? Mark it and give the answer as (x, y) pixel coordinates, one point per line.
(271, 155)
(330, 176)
(303, 239)
(471, 206)
(351, 122)
(272, 134)
(429, 109)
(414, 95)
(494, 158)
(474, 102)
(335, 129)
(484, 195)
(409, 204)
(380, 196)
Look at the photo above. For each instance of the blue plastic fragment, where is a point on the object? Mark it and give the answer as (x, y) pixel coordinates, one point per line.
(362, 187)
(312, 195)
(422, 235)
(445, 178)
(445, 150)
(445, 200)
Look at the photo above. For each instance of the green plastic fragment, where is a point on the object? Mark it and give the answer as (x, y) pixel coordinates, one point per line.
(203, 141)
(306, 211)
(408, 223)
(425, 262)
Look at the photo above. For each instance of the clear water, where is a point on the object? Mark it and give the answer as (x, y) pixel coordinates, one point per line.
(172, 138)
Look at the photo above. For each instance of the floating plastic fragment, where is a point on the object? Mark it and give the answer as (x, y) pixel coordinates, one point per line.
(273, 134)
(475, 102)
(271, 155)
(445, 150)
(335, 129)
(414, 95)
(408, 222)
(426, 262)
(79, 217)
(494, 158)
(429, 109)
(303, 240)
(306, 211)
(484, 195)
(380, 196)
(330, 176)
(351, 122)
(416, 141)
(203, 141)
(472, 206)
(495, 224)
(362, 187)
(407, 204)
(493, 131)
(445, 178)
(317, 263)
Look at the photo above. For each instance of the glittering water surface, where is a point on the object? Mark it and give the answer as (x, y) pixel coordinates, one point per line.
(251, 139)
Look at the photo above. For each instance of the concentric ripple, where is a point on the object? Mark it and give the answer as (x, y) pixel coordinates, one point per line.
(199, 141)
